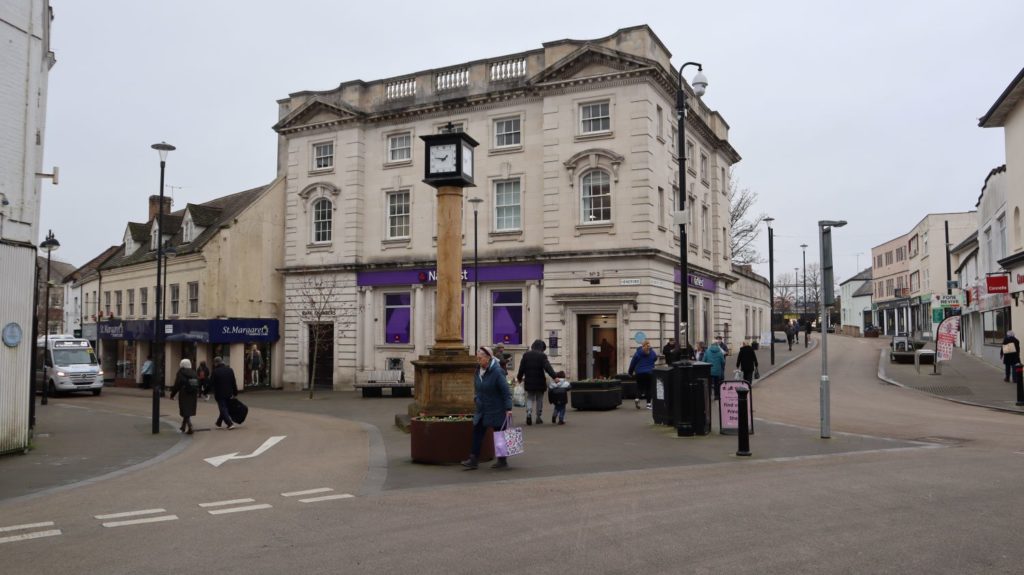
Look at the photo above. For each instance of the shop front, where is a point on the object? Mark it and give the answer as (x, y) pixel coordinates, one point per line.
(700, 324)
(127, 345)
(893, 316)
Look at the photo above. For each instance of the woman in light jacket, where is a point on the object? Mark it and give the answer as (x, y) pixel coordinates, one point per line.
(493, 400)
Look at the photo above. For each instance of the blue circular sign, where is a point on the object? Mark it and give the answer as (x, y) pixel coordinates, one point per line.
(640, 337)
(12, 334)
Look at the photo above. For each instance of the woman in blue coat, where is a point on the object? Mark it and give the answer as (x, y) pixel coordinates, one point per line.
(493, 401)
(642, 365)
(716, 357)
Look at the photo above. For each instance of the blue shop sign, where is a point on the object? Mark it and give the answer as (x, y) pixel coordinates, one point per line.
(232, 330)
(243, 330)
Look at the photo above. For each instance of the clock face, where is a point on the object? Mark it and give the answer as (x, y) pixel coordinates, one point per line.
(442, 159)
(467, 160)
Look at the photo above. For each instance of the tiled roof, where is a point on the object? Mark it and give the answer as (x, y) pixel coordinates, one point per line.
(139, 232)
(864, 290)
(864, 274)
(58, 270)
(218, 213)
(89, 269)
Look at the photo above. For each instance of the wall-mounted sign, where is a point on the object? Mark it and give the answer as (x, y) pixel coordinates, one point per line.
(12, 335)
(997, 284)
(629, 281)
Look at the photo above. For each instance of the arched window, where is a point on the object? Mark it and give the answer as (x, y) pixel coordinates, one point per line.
(596, 193)
(323, 216)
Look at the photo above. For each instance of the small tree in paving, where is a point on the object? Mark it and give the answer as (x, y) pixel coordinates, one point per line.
(315, 300)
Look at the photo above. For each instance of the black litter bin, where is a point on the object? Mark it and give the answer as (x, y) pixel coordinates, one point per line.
(691, 400)
(628, 384)
(665, 382)
(595, 395)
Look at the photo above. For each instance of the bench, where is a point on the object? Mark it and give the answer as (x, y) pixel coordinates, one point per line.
(372, 383)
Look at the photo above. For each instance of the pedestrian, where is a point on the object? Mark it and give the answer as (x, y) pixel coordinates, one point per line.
(669, 351)
(147, 372)
(255, 365)
(558, 395)
(721, 344)
(224, 388)
(501, 356)
(642, 365)
(746, 361)
(1010, 353)
(493, 400)
(698, 354)
(716, 357)
(807, 333)
(789, 335)
(532, 367)
(204, 379)
(186, 387)
(795, 324)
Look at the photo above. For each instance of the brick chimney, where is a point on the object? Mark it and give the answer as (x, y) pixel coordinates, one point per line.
(154, 206)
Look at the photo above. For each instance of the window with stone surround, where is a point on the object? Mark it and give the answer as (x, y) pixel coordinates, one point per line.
(507, 132)
(323, 155)
(596, 194)
(507, 317)
(400, 147)
(323, 216)
(398, 224)
(507, 206)
(595, 117)
(397, 317)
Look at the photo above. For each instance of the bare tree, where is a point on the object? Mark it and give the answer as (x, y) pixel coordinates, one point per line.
(785, 293)
(315, 300)
(814, 287)
(745, 227)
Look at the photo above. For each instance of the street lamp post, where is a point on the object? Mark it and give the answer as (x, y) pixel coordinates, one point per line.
(163, 148)
(796, 292)
(804, 248)
(825, 227)
(771, 287)
(700, 84)
(49, 245)
(476, 277)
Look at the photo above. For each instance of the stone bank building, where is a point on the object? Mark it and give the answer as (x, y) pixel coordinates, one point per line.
(577, 169)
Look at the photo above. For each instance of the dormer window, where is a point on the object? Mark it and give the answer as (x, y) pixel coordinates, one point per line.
(154, 237)
(188, 230)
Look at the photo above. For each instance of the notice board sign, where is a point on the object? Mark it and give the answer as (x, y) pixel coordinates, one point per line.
(729, 408)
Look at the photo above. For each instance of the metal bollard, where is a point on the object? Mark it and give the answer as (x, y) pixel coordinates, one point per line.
(1018, 378)
(744, 431)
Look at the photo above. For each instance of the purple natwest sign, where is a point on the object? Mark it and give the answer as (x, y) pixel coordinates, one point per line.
(515, 272)
(698, 281)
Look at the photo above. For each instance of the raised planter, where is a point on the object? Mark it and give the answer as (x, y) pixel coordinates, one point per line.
(595, 394)
(628, 384)
(445, 439)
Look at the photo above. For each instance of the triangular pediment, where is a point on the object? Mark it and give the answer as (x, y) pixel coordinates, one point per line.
(314, 114)
(591, 61)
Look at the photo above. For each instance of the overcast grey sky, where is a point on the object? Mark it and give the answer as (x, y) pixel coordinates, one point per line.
(864, 111)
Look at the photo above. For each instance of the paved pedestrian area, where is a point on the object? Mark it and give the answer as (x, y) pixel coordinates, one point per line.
(964, 379)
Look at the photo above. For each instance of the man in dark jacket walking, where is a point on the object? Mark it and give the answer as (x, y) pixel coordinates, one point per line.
(532, 368)
(746, 361)
(1010, 353)
(224, 388)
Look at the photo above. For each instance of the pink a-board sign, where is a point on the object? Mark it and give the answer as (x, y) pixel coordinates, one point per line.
(729, 407)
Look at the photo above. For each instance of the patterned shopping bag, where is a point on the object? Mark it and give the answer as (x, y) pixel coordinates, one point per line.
(508, 441)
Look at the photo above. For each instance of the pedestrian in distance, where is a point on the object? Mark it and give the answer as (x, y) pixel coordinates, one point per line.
(493, 400)
(746, 361)
(807, 333)
(558, 395)
(789, 335)
(532, 367)
(721, 344)
(501, 356)
(698, 354)
(669, 351)
(186, 387)
(1010, 353)
(255, 365)
(147, 372)
(204, 379)
(642, 365)
(716, 357)
(795, 325)
(224, 388)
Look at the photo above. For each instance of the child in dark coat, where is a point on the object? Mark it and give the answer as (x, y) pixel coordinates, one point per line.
(558, 395)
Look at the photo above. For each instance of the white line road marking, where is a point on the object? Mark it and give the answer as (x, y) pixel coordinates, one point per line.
(35, 535)
(141, 521)
(239, 509)
(26, 526)
(230, 502)
(131, 513)
(220, 459)
(326, 498)
(307, 492)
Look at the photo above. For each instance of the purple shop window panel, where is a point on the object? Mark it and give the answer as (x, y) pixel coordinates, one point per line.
(507, 317)
(397, 317)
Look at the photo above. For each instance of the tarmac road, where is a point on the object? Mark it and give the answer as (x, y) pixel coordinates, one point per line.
(951, 506)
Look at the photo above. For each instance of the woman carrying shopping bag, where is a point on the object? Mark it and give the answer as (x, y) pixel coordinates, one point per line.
(493, 400)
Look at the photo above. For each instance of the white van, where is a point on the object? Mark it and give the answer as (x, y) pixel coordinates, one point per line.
(71, 365)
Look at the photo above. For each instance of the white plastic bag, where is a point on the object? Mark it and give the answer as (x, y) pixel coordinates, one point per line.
(519, 395)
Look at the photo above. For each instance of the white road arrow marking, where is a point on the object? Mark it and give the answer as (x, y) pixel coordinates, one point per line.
(220, 459)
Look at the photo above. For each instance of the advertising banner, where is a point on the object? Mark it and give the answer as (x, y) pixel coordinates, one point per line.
(949, 333)
(729, 408)
(998, 284)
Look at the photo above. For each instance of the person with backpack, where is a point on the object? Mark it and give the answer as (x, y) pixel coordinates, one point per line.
(186, 387)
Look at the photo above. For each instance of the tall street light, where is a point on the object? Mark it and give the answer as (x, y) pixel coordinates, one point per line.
(162, 148)
(476, 201)
(771, 287)
(49, 245)
(700, 84)
(804, 248)
(825, 239)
